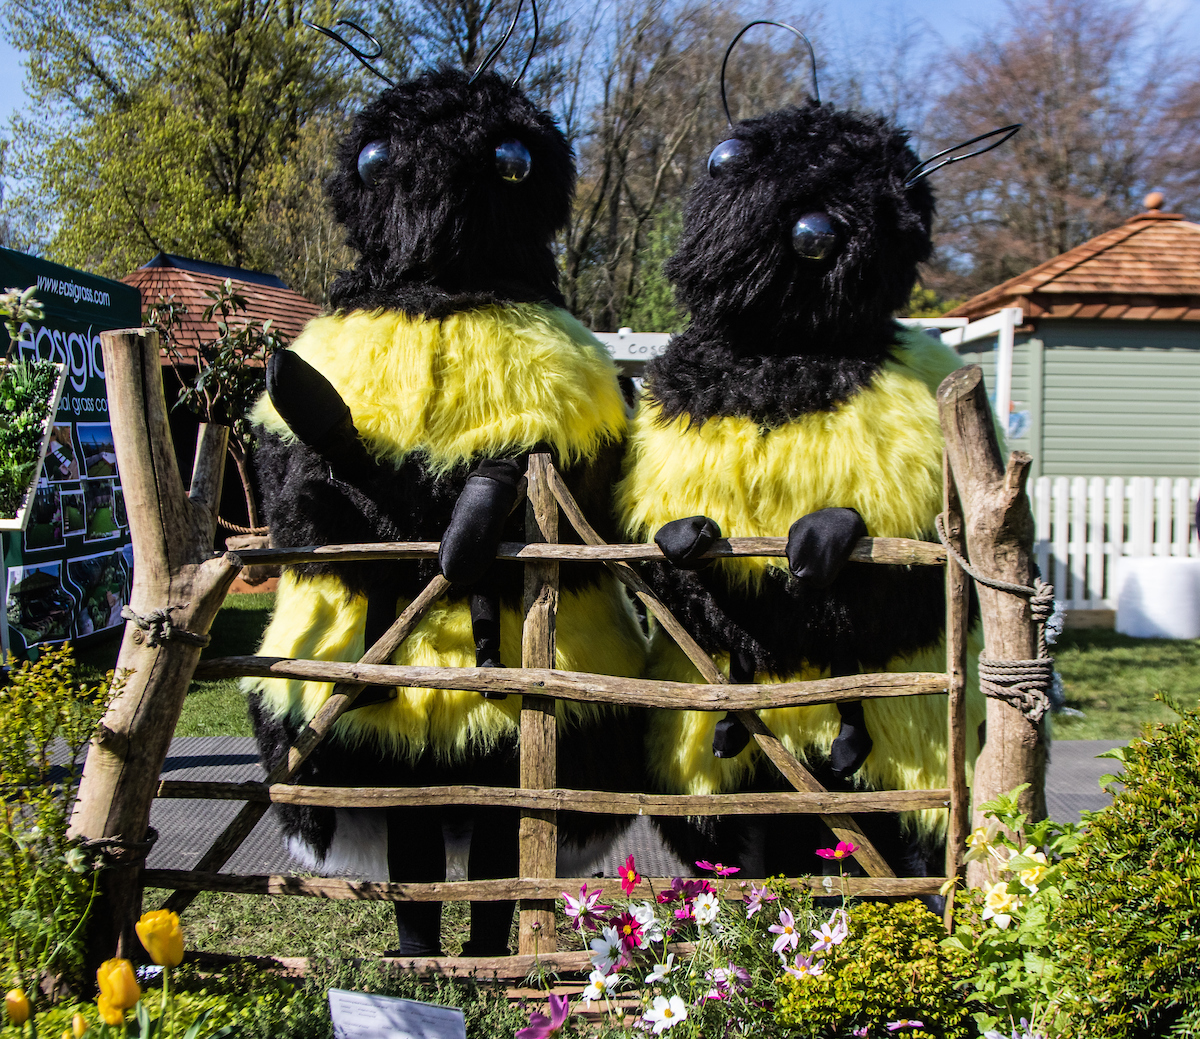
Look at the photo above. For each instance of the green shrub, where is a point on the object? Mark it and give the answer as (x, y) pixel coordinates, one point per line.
(25, 389)
(892, 966)
(47, 882)
(1128, 939)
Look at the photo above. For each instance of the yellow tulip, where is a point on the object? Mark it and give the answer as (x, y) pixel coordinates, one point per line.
(66, 1034)
(109, 1014)
(17, 1005)
(118, 984)
(162, 936)
(79, 1025)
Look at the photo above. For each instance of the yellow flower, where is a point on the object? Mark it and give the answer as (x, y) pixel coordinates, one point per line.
(109, 1014)
(118, 985)
(999, 904)
(79, 1025)
(1036, 873)
(17, 1005)
(66, 1034)
(162, 936)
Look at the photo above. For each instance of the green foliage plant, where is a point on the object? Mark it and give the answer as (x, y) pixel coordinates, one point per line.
(230, 370)
(25, 391)
(1006, 931)
(1128, 929)
(47, 881)
(893, 967)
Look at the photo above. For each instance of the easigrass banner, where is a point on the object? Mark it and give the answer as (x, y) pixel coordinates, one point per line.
(69, 574)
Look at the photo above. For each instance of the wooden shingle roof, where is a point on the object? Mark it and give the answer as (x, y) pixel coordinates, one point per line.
(187, 280)
(1148, 269)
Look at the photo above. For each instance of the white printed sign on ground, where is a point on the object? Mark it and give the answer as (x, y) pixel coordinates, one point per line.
(363, 1015)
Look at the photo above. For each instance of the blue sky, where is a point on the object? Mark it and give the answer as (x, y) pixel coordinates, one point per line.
(955, 21)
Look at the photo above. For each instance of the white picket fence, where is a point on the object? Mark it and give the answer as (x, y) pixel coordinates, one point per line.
(1084, 523)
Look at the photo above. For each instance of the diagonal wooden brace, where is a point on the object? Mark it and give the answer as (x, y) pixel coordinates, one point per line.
(843, 826)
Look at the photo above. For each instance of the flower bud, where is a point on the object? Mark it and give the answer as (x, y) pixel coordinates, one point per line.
(161, 934)
(79, 1025)
(118, 984)
(16, 1003)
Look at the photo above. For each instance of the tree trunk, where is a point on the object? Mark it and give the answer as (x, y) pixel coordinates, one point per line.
(999, 537)
(172, 532)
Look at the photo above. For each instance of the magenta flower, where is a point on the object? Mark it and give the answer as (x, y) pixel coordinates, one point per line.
(861, 1033)
(806, 967)
(895, 1026)
(542, 1027)
(629, 929)
(584, 911)
(726, 980)
(786, 929)
(630, 878)
(718, 868)
(843, 850)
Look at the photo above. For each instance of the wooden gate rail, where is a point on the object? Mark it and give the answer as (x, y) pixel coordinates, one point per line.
(544, 889)
(601, 802)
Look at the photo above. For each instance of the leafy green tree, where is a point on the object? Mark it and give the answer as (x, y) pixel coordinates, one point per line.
(157, 129)
(652, 307)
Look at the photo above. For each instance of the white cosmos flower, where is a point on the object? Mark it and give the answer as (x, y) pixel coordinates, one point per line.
(652, 931)
(606, 950)
(601, 984)
(665, 1013)
(660, 970)
(706, 908)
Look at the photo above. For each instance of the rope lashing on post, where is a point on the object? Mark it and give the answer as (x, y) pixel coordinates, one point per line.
(119, 851)
(159, 627)
(233, 528)
(1025, 684)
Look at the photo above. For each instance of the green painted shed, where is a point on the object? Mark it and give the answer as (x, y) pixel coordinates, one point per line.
(1105, 366)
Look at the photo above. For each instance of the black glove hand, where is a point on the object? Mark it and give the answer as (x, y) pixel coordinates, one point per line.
(316, 413)
(820, 543)
(477, 523)
(684, 541)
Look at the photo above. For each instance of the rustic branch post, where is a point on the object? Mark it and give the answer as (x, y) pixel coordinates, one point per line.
(999, 539)
(172, 533)
(539, 732)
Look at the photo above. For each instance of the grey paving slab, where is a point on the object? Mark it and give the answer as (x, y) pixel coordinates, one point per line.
(187, 827)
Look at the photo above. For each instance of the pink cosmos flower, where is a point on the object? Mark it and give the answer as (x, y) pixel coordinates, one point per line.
(630, 878)
(726, 980)
(584, 910)
(542, 1027)
(786, 929)
(895, 1026)
(861, 1033)
(843, 850)
(718, 868)
(806, 967)
(758, 895)
(832, 933)
(629, 930)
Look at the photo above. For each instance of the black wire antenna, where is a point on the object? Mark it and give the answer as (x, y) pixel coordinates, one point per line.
(491, 55)
(816, 93)
(363, 58)
(927, 166)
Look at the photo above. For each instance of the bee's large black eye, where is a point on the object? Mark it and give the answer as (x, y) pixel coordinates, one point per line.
(371, 161)
(513, 161)
(814, 236)
(726, 154)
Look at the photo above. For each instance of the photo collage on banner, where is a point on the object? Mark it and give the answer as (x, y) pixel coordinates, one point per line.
(68, 575)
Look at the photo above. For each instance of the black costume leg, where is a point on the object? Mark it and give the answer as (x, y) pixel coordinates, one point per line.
(417, 854)
(485, 625)
(494, 854)
(382, 595)
(853, 743)
(731, 736)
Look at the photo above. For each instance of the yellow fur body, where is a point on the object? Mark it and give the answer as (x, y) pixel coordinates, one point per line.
(316, 619)
(879, 452)
(476, 384)
(468, 386)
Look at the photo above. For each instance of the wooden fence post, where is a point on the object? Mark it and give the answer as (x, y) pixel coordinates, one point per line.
(172, 534)
(999, 537)
(539, 732)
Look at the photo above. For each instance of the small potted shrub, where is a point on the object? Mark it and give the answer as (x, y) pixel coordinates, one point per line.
(29, 396)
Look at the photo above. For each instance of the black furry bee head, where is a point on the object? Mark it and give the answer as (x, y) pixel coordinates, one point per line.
(804, 236)
(451, 186)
